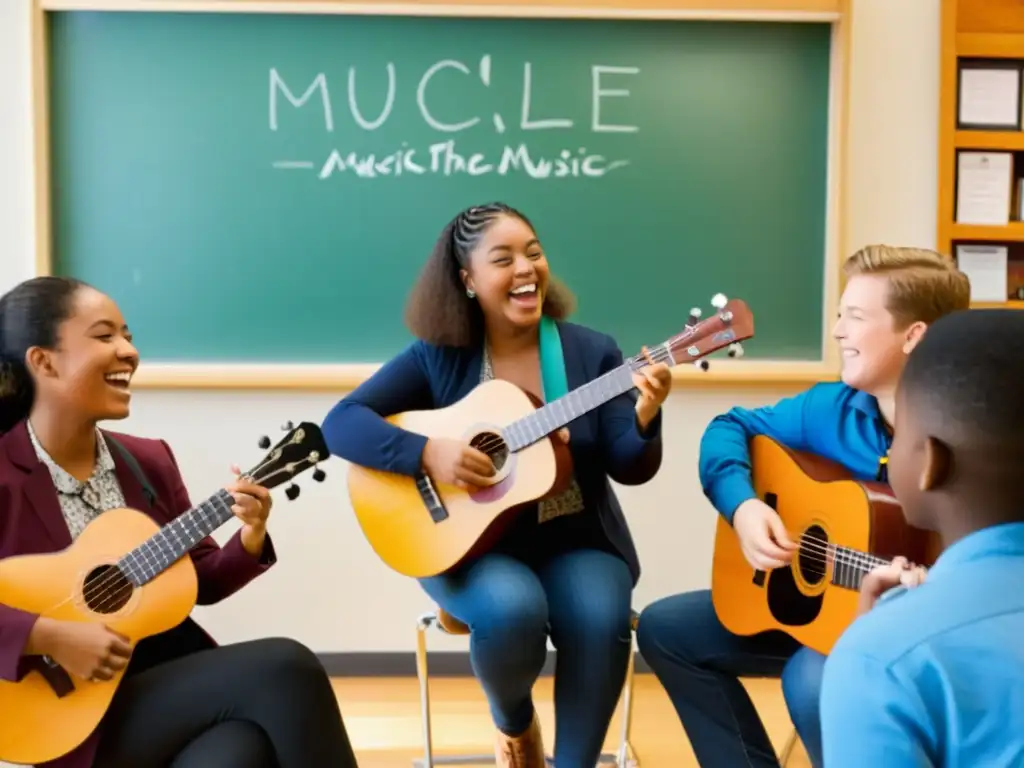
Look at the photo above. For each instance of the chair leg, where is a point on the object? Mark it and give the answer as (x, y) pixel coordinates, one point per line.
(430, 760)
(625, 748)
(624, 758)
(421, 672)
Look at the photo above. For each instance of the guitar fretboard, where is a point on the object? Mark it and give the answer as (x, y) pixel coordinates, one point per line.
(556, 414)
(850, 566)
(163, 549)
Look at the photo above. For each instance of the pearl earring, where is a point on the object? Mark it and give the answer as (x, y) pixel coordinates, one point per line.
(470, 293)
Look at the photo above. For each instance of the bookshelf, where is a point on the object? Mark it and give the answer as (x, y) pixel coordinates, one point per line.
(982, 42)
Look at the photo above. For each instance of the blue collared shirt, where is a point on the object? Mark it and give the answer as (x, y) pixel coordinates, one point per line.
(830, 419)
(934, 676)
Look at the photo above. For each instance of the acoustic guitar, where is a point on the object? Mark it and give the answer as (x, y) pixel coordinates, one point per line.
(130, 574)
(420, 528)
(843, 528)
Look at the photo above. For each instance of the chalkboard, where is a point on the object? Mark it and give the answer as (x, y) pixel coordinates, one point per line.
(266, 187)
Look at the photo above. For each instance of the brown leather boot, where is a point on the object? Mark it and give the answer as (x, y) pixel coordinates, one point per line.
(523, 751)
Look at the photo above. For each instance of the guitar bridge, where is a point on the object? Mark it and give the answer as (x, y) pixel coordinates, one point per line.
(431, 499)
(56, 676)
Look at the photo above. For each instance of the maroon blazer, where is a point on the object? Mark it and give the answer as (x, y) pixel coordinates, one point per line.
(31, 522)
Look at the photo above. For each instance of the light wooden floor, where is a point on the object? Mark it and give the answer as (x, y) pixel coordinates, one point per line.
(383, 719)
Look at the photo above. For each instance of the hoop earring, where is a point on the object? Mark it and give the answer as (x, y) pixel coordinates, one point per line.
(470, 293)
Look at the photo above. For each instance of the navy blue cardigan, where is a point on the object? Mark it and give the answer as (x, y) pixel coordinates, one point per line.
(605, 443)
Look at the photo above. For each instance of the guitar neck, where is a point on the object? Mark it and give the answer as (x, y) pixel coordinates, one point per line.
(554, 415)
(850, 566)
(173, 541)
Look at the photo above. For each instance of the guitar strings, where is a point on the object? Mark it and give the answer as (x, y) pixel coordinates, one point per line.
(661, 353)
(104, 584)
(824, 553)
(114, 582)
(494, 443)
(852, 556)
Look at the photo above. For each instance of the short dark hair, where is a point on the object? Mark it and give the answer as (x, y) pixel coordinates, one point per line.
(438, 310)
(964, 376)
(30, 315)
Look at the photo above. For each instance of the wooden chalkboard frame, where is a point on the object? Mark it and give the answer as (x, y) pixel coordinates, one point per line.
(336, 377)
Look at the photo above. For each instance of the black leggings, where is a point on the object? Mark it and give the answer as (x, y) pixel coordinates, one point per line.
(261, 704)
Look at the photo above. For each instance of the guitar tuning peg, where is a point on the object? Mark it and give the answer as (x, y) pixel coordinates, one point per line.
(264, 442)
(702, 364)
(735, 349)
(286, 426)
(718, 301)
(292, 492)
(319, 475)
(694, 316)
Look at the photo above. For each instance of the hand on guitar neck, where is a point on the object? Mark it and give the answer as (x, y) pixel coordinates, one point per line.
(654, 383)
(762, 535)
(456, 462)
(883, 578)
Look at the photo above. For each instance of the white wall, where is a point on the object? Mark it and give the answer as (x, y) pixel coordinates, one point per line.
(328, 583)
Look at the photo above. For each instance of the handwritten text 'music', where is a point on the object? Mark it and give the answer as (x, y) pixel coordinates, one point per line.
(442, 157)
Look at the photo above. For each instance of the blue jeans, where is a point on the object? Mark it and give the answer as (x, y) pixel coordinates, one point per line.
(698, 662)
(583, 599)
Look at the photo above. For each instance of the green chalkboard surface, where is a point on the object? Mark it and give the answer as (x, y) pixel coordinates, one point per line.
(265, 188)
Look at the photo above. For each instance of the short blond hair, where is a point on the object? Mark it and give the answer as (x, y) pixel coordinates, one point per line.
(924, 285)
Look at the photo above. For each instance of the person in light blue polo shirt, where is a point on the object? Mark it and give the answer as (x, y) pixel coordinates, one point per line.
(933, 675)
(890, 298)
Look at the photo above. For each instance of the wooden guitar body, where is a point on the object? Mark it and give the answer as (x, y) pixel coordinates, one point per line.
(844, 528)
(78, 584)
(422, 528)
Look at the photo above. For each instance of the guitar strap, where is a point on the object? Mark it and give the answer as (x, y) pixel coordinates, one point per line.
(136, 469)
(556, 385)
(552, 361)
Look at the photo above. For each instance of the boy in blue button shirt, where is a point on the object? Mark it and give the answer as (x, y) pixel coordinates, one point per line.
(891, 297)
(934, 675)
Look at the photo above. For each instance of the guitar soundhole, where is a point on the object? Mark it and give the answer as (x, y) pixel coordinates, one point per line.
(494, 446)
(106, 589)
(812, 559)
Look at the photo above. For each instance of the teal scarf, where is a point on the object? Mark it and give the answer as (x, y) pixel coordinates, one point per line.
(552, 362)
(556, 385)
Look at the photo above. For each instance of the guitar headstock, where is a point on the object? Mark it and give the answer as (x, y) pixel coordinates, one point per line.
(731, 323)
(302, 448)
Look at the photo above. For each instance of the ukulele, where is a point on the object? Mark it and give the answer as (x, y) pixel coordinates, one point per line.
(128, 573)
(844, 528)
(419, 527)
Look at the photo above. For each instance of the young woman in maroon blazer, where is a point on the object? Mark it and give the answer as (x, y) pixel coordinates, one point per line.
(66, 361)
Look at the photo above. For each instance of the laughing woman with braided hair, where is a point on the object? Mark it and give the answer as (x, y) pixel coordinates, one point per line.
(486, 306)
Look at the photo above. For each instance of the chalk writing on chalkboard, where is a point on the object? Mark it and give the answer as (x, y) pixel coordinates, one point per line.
(443, 157)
